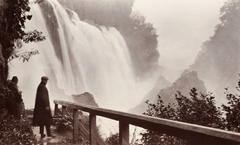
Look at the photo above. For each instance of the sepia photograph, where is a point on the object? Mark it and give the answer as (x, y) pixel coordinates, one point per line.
(120, 72)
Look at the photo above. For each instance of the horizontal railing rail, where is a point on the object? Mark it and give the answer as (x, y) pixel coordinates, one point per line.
(194, 134)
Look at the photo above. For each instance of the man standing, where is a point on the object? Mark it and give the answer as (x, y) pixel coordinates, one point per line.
(42, 113)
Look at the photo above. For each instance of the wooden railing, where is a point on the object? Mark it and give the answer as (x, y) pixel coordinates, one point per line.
(194, 134)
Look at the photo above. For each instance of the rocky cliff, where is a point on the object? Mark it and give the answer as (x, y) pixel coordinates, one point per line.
(161, 83)
(186, 81)
(85, 98)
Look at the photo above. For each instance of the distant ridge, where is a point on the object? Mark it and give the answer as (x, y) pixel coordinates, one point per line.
(186, 81)
(160, 84)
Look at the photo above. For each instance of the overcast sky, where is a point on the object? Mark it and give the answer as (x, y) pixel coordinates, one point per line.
(182, 26)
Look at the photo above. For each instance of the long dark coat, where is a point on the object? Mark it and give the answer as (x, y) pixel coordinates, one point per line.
(42, 116)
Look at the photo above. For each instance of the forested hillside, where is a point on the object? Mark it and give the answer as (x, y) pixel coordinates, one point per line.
(139, 35)
(218, 62)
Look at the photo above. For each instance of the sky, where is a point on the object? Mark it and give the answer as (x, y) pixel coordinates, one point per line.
(182, 26)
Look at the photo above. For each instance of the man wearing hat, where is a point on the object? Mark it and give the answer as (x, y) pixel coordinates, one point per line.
(42, 113)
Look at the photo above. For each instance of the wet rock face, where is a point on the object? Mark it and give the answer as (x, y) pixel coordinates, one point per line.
(85, 98)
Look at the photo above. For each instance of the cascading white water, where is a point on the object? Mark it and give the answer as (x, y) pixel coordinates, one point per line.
(88, 58)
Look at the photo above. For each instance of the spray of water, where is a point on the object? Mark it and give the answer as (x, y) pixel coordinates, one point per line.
(87, 59)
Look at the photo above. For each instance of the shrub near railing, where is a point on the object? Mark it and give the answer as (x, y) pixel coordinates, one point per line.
(63, 124)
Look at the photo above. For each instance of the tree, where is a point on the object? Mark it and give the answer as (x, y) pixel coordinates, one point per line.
(196, 109)
(199, 109)
(160, 110)
(232, 110)
(12, 24)
(141, 39)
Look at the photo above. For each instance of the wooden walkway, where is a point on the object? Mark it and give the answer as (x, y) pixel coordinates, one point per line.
(46, 140)
(194, 134)
(57, 140)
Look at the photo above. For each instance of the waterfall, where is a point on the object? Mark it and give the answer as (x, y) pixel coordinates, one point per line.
(77, 57)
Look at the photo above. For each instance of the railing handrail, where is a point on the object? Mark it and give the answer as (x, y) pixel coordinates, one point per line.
(175, 128)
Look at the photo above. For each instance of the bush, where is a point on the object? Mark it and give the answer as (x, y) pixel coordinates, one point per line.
(64, 127)
(232, 110)
(63, 124)
(6, 96)
(14, 131)
(113, 139)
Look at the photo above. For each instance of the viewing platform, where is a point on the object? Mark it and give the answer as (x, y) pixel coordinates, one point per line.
(194, 134)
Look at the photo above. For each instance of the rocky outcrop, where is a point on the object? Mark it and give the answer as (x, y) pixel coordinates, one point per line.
(160, 84)
(186, 81)
(85, 98)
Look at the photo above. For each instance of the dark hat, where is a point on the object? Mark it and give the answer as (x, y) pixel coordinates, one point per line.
(44, 78)
(14, 79)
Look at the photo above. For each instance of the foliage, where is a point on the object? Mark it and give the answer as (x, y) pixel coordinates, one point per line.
(197, 109)
(113, 139)
(160, 110)
(141, 39)
(33, 36)
(64, 127)
(13, 15)
(25, 56)
(6, 96)
(15, 131)
(232, 110)
(63, 124)
(13, 25)
(81, 140)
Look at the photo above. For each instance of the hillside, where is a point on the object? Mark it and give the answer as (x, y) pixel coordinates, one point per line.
(186, 81)
(218, 62)
(161, 83)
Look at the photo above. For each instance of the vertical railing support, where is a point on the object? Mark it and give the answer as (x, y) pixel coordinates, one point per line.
(92, 128)
(64, 110)
(75, 125)
(55, 109)
(123, 133)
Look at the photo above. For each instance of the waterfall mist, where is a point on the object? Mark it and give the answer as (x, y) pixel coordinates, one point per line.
(78, 57)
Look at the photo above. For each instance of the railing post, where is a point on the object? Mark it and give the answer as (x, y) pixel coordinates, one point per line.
(123, 133)
(64, 110)
(75, 124)
(92, 128)
(55, 109)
